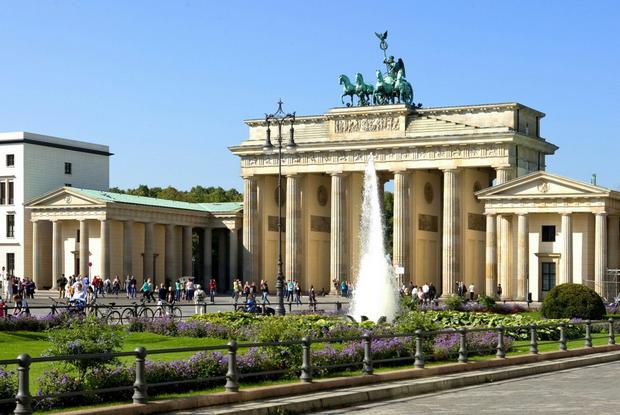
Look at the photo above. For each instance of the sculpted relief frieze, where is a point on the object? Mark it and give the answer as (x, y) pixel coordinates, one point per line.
(344, 157)
(354, 125)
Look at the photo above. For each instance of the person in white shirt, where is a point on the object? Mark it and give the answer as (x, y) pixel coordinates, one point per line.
(471, 292)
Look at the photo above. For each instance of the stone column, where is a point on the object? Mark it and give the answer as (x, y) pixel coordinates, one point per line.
(504, 257)
(613, 242)
(503, 174)
(381, 180)
(401, 223)
(84, 248)
(233, 242)
(187, 251)
(522, 256)
(57, 252)
(149, 251)
(491, 256)
(250, 229)
(128, 247)
(292, 261)
(207, 252)
(338, 259)
(36, 253)
(104, 257)
(451, 232)
(566, 259)
(221, 258)
(171, 253)
(600, 252)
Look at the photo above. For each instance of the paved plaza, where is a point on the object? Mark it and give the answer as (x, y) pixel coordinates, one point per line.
(587, 390)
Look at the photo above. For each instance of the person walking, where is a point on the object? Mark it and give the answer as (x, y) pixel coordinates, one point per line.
(147, 290)
(62, 285)
(471, 291)
(297, 293)
(312, 298)
(264, 287)
(212, 289)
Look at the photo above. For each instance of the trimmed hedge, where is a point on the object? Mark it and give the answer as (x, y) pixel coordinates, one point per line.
(573, 301)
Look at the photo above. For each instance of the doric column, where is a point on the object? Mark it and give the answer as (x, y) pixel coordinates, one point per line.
(57, 252)
(503, 174)
(401, 223)
(36, 253)
(613, 241)
(147, 257)
(104, 257)
(292, 262)
(566, 259)
(171, 253)
(491, 256)
(522, 256)
(221, 258)
(207, 259)
(381, 180)
(233, 242)
(600, 252)
(250, 229)
(451, 232)
(187, 251)
(128, 247)
(338, 260)
(504, 256)
(84, 248)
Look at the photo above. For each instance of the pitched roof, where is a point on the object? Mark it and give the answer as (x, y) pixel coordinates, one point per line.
(112, 197)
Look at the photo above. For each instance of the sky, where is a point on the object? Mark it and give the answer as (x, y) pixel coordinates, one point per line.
(167, 84)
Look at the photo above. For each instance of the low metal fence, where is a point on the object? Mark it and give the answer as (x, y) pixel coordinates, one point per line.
(24, 399)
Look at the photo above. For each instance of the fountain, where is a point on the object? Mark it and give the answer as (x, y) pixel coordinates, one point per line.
(375, 293)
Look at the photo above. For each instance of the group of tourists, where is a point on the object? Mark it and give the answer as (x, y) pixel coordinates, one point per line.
(425, 294)
(343, 288)
(11, 286)
(467, 293)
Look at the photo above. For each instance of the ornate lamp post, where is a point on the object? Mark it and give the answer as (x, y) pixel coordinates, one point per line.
(279, 118)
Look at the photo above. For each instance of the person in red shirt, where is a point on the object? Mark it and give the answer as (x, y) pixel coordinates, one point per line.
(212, 289)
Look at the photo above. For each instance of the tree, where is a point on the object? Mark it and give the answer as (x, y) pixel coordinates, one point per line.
(197, 194)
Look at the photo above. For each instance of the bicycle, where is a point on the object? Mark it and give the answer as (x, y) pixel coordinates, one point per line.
(166, 309)
(137, 311)
(108, 313)
(71, 309)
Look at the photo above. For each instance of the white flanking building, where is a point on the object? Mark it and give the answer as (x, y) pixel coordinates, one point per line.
(32, 165)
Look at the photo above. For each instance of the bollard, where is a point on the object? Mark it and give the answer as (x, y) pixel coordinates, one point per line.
(419, 352)
(588, 333)
(338, 306)
(290, 306)
(23, 399)
(563, 337)
(367, 362)
(232, 375)
(612, 336)
(533, 340)
(501, 352)
(306, 363)
(140, 386)
(462, 345)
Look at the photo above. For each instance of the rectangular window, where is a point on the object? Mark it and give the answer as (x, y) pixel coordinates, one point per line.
(2, 193)
(77, 236)
(548, 233)
(11, 193)
(67, 168)
(67, 184)
(548, 276)
(10, 263)
(10, 225)
(10, 160)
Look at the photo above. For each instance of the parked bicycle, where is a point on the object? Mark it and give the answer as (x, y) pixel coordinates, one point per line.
(170, 310)
(136, 310)
(108, 313)
(71, 309)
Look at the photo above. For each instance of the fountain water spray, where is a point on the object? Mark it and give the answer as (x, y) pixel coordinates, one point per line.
(376, 292)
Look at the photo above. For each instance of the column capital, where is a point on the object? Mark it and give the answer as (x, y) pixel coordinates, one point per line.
(293, 174)
(522, 214)
(566, 213)
(401, 171)
(337, 173)
(491, 214)
(602, 214)
(450, 169)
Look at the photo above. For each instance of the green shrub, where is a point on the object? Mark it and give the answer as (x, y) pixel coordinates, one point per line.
(454, 302)
(487, 301)
(82, 337)
(573, 301)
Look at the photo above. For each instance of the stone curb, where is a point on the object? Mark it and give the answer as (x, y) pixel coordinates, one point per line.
(453, 376)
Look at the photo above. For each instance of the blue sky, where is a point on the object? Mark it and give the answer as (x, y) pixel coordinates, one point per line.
(167, 84)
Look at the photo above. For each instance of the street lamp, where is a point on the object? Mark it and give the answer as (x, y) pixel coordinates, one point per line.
(279, 118)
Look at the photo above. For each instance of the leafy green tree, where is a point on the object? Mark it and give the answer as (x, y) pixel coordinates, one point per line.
(197, 194)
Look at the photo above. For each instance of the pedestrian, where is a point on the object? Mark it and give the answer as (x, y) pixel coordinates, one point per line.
(212, 289)
(312, 298)
(147, 291)
(264, 287)
(62, 285)
(471, 291)
(297, 293)
(499, 291)
(290, 289)
(344, 289)
(189, 289)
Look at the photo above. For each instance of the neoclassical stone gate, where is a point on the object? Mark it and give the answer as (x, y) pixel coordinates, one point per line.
(437, 157)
